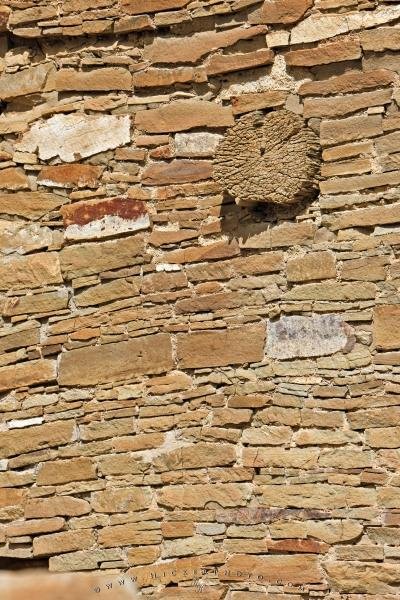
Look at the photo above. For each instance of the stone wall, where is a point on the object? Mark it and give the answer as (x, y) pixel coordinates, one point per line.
(201, 393)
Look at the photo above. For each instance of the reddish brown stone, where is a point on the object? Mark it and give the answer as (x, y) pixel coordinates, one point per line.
(81, 213)
(72, 175)
(331, 52)
(226, 63)
(298, 545)
(177, 171)
(137, 7)
(284, 11)
(352, 81)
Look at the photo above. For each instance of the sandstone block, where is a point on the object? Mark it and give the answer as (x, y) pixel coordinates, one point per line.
(19, 441)
(198, 496)
(66, 541)
(105, 79)
(91, 258)
(107, 292)
(76, 136)
(379, 40)
(278, 457)
(332, 291)
(183, 114)
(386, 327)
(30, 205)
(191, 49)
(257, 100)
(25, 334)
(35, 270)
(227, 63)
(194, 457)
(26, 81)
(366, 217)
(63, 471)
(34, 526)
(117, 361)
(27, 373)
(136, 7)
(128, 534)
(319, 495)
(295, 569)
(284, 11)
(314, 265)
(56, 506)
(330, 52)
(203, 253)
(14, 179)
(121, 500)
(218, 348)
(363, 578)
(197, 545)
(196, 143)
(336, 107)
(177, 171)
(383, 437)
(70, 176)
(352, 81)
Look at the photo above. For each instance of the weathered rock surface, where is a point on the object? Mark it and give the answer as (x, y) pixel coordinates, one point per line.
(297, 336)
(72, 137)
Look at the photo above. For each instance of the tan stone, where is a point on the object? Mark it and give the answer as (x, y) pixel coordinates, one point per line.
(36, 303)
(366, 217)
(347, 150)
(287, 234)
(53, 507)
(227, 63)
(364, 578)
(332, 291)
(374, 417)
(143, 556)
(84, 559)
(121, 360)
(25, 334)
(378, 40)
(194, 457)
(351, 128)
(105, 79)
(181, 569)
(25, 81)
(66, 541)
(120, 464)
(14, 179)
(386, 326)
(27, 373)
(37, 13)
(72, 175)
(330, 52)
(90, 258)
(63, 471)
(218, 348)
(166, 77)
(353, 81)
(183, 114)
(314, 265)
(371, 268)
(107, 292)
(347, 167)
(31, 271)
(30, 205)
(335, 107)
(128, 534)
(383, 437)
(18, 441)
(34, 526)
(136, 7)
(197, 544)
(11, 497)
(177, 529)
(121, 500)
(191, 49)
(109, 428)
(177, 171)
(318, 495)
(272, 569)
(353, 184)
(270, 436)
(284, 11)
(202, 253)
(257, 100)
(198, 496)
(278, 457)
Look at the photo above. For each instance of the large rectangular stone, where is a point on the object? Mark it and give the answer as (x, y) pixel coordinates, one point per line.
(352, 128)
(366, 217)
(116, 362)
(316, 495)
(90, 258)
(220, 348)
(27, 373)
(386, 327)
(292, 569)
(66, 541)
(107, 78)
(32, 271)
(183, 114)
(30, 205)
(19, 441)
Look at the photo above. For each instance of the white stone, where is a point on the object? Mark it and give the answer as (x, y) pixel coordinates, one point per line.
(20, 237)
(196, 144)
(75, 136)
(20, 423)
(298, 336)
(320, 27)
(167, 267)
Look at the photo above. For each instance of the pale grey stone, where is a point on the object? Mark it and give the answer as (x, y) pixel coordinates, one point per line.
(318, 335)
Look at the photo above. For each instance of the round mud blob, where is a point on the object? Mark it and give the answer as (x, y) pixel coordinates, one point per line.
(273, 158)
